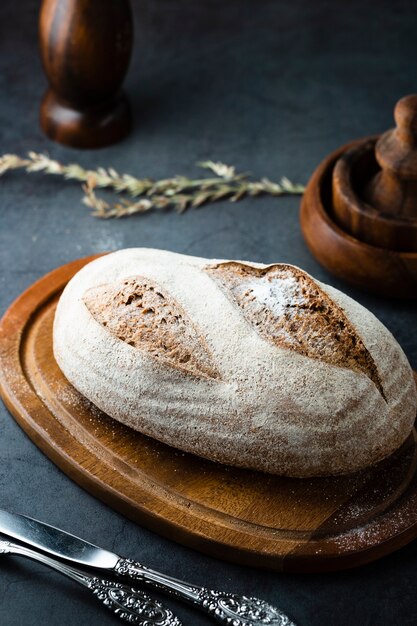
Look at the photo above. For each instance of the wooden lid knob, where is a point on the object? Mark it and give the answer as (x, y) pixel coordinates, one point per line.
(405, 115)
(396, 149)
(394, 190)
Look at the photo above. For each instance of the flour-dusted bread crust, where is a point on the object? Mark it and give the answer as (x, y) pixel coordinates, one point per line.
(250, 365)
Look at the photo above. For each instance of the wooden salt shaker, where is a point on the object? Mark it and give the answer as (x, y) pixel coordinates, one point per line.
(86, 47)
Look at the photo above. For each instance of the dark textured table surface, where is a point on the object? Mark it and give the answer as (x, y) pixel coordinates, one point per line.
(268, 86)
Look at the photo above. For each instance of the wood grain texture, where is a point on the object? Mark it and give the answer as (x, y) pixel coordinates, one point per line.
(238, 515)
(358, 258)
(85, 47)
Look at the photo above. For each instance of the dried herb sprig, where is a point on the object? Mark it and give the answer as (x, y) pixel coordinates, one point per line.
(178, 192)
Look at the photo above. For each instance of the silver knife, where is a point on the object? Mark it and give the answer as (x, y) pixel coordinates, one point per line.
(226, 608)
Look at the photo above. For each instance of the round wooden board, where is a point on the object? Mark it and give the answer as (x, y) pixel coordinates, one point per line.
(238, 515)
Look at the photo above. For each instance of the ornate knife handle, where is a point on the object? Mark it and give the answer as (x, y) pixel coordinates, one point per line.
(129, 604)
(226, 608)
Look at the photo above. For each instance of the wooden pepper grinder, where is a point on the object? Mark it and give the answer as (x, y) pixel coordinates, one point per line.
(86, 47)
(394, 189)
(359, 211)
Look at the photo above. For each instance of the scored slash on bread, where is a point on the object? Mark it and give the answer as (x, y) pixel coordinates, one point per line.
(141, 313)
(287, 307)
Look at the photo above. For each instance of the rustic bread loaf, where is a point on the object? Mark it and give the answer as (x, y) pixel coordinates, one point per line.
(250, 365)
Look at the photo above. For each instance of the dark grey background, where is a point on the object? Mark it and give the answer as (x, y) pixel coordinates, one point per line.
(269, 86)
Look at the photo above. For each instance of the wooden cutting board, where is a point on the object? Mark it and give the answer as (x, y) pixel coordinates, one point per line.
(238, 515)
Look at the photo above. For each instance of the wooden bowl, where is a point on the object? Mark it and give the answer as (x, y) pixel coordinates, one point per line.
(376, 269)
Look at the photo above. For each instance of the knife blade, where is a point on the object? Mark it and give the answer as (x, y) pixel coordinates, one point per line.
(55, 541)
(224, 607)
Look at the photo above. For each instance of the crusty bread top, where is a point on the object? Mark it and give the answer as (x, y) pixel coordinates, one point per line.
(252, 365)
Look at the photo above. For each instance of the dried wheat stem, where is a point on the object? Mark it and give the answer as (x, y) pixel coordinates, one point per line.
(178, 192)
